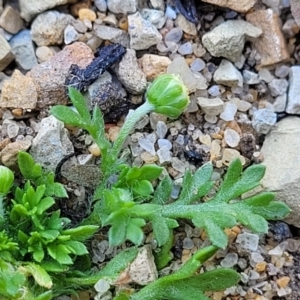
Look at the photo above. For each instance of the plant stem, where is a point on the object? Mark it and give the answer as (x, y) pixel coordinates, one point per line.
(128, 126)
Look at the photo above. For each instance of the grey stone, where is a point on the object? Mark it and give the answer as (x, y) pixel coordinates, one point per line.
(228, 75)
(48, 28)
(29, 9)
(112, 34)
(164, 155)
(6, 55)
(11, 20)
(23, 49)
(70, 35)
(278, 87)
(101, 5)
(185, 48)
(293, 104)
(185, 25)
(51, 144)
(130, 74)
(280, 103)
(263, 120)
(155, 17)
(250, 77)
(247, 241)
(142, 33)
(228, 39)
(282, 71)
(122, 7)
(282, 161)
(265, 75)
(212, 107)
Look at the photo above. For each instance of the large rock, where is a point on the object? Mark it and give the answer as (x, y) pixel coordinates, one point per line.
(30, 8)
(237, 5)
(271, 45)
(122, 7)
(50, 75)
(282, 161)
(228, 39)
(51, 144)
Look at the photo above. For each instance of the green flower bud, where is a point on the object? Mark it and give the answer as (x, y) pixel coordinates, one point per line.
(168, 95)
(6, 180)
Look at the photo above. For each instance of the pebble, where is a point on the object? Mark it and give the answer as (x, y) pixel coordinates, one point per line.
(101, 5)
(155, 17)
(164, 155)
(185, 25)
(180, 67)
(232, 138)
(212, 107)
(10, 152)
(214, 91)
(198, 50)
(142, 33)
(230, 155)
(228, 75)
(280, 103)
(10, 20)
(130, 74)
(282, 71)
(115, 35)
(48, 28)
(161, 129)
(154, 65)
(6, 55)
(250, 77)
(229, 111)
(236, 5)
(272, 50)
(148, 158)
(170, 13)
(197, 65)
(244, 105)
(229, 260)
(174, 35)
(279, 249)
(278, 87)
(247, 241)
(101, 287)
(178, 165)
(263, 120)
(164, 143)
(228, 39)
(185, 48)
(122, 7)
(293, 102)
(187, 243)
(70, 35)
(44, 53)
(147, 145)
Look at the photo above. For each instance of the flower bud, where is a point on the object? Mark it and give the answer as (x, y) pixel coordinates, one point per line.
(168, 95)
(6, 180)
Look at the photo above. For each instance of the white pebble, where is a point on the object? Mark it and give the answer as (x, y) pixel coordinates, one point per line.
(229, 112)
(232, 138)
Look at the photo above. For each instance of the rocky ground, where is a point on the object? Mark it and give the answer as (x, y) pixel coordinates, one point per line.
(239, 60)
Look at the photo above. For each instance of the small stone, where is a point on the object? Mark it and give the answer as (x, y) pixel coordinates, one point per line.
(48, 28)
(197, 65)
(155, 17)
(178, 165)
(180, 67)
(154, 65)
(279, 249)
(70, 35)
(232, 138)
(265, 75)
(6, 55)
(198, 50)
(43, 53)
(280, 103)
(185, 25)
(122, 7)
(174, 35)
(10, 152)
(170, 13)
(164, 155)
(278, 87)
(113, 133)
(185, 48)
(130, 74)
(148, 158)
(229, 111)
(115, 35)
(215, 150)
(229, 260)
(228, 39)
(261, 266)
(19, 92)
(187, 243)
(161, 129)
(143, 270)
(263, 120)
(87, 14)
(248, 241)
(250, 77)
(253, 275)
(102, 286)
(142, 33)
(244, 106)
(214, 91)
(293, 103)
(101, 5)
(147, 145)
(230, 155)
(11, 20)
(295, 9)
(283, 281)
(228, 75)
(293, 245)
(212, 107)
(282, 71)
(158, 4)
(210, 119)
(271, 50)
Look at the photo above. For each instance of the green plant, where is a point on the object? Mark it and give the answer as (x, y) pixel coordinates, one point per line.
(33, 232)
(125, 200)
